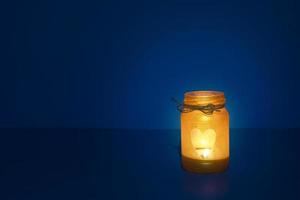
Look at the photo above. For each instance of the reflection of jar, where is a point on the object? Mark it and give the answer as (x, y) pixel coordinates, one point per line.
(204, 132)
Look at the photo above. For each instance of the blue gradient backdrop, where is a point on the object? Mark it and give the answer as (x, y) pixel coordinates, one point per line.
(116, 64)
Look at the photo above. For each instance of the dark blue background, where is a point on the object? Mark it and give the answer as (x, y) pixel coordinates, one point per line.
(92, 164)
(115, 64)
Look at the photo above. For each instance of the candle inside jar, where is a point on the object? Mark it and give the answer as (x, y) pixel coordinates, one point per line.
(203, 142)
(204, 153)
(204, 132)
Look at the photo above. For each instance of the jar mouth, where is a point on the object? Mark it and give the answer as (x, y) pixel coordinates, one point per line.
(204, 97)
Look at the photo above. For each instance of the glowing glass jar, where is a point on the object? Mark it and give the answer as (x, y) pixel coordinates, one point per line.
(204, 132)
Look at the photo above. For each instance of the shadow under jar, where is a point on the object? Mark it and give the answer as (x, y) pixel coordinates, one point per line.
(204, 132)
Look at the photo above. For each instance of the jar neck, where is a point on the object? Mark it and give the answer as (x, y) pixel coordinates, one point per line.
(204, 98)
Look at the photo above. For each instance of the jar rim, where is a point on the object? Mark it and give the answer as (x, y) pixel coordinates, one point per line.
(202, 97)
(204, 93)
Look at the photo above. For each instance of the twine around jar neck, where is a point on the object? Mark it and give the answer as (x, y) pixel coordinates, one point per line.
(208, 109)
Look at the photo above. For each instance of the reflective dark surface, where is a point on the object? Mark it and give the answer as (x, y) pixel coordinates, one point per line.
(133, 164)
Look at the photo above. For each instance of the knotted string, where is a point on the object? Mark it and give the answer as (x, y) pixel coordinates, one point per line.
(208, 109)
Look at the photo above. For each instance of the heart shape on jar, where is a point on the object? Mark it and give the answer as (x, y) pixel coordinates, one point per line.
(203, 140)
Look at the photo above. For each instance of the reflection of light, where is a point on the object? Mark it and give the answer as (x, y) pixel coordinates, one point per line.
(206, 187)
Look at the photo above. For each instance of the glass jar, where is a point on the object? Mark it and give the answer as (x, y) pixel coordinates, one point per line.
(204, 132)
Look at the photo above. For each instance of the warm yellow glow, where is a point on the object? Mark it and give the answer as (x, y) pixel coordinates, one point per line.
(205, 118)
(203, 136)
(205, 153)
(203, 142)
(205, 139)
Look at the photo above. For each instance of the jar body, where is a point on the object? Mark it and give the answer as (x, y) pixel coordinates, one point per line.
(205, 141)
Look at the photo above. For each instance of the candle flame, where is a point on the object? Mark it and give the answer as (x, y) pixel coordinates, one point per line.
(206, 153)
